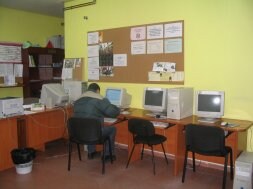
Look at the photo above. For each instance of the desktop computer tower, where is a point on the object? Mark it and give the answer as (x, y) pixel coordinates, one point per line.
(179, 103)
(243, 171)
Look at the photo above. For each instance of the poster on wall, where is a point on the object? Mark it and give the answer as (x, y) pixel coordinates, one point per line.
(106, 59)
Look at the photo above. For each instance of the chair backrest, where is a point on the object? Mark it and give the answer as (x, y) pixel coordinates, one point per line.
(206, 140)
(84, 130)
(141, 127)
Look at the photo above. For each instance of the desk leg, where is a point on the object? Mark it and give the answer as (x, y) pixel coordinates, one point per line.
(21, 128)
(232, 141)
(179, 149)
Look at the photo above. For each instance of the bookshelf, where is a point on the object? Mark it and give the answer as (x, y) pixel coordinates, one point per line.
(40, 65)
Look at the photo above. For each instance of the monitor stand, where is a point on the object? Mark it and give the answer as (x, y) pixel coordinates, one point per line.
(207, 120)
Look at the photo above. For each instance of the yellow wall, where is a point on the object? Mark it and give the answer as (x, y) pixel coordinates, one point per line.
(218, 43)
(19, 26)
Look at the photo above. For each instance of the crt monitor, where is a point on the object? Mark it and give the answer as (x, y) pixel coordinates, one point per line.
(74, 88)
(55, 92)
(209, 105)
(155, 100)
(119, 97)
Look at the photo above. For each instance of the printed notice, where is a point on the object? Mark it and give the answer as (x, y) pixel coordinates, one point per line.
(155, 46)
(93, 50)
(10, 54)
(6, 69)
(155, 31)
(173, 45)
(93, 74)
(173, 30)
(119, 60)
(93, 38)
(138, 33)
(138, 47)
(164, 67)
(166, 76)
(93, 62)
(18, 70)
(67, 73)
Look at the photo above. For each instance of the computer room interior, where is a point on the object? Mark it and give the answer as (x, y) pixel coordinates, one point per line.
(217, 42)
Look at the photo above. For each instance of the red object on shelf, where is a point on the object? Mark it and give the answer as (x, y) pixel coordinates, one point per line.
(49, 44)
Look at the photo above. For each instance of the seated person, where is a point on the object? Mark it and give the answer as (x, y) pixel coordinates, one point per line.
(92, 105)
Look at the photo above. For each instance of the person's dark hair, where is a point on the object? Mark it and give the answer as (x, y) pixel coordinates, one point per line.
(93, 87)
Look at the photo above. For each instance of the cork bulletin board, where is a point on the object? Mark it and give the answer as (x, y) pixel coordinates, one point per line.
(160, 44)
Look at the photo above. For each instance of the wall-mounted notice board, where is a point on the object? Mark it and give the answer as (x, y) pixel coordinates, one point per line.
(11, 61)
(72, 68)
(151, 53)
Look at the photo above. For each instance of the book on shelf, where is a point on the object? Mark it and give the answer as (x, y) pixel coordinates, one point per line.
(45, 73)
(31, 61)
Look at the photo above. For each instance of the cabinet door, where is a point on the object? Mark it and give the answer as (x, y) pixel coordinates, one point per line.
(9, 141)
(36, 130)
(56, 125)
(44, 127)
(122, 133)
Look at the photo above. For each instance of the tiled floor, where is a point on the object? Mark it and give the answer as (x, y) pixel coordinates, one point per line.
(50, 171)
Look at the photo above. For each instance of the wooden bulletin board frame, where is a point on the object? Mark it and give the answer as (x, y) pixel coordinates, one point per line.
(139, 65)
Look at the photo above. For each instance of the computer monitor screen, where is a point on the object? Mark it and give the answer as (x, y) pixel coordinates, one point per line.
(74, 89)
(209, 105)
(154, 99)
(53, 92)
(119, 97)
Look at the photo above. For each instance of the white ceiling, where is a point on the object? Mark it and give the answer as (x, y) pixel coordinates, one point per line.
(47, 7)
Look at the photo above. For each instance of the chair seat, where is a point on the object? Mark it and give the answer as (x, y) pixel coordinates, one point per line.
(152, 140)
(226, 150)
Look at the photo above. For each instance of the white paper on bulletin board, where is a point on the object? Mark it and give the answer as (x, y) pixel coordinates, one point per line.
(6, 69)
(10, 53)
(166, 76)
(173, 29)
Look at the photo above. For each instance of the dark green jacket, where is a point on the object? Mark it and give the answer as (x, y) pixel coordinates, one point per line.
(92, 104)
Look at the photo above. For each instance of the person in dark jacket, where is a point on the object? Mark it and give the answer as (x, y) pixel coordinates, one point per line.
(92, 105)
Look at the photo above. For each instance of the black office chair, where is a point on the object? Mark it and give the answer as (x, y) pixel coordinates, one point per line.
(209, 141)
(87, 131)
(143, 132)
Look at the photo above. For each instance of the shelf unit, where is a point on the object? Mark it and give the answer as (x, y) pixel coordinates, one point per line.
(40, 66)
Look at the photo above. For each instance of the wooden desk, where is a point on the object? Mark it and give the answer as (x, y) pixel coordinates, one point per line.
(175, 144)
(33, 130)
(45, 126)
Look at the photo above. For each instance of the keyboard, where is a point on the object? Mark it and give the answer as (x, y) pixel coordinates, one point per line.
(203, 120)
(160, 124)
(110, 120)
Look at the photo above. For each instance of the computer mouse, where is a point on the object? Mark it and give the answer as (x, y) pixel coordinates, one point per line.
(224, 123)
